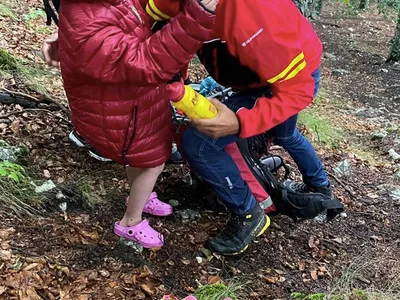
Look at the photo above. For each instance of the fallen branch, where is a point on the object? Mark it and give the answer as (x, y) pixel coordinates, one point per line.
(35, 110)
(27, 101)
(350, 192)
(342, 184)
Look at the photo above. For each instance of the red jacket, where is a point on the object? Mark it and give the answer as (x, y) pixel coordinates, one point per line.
(275, 45)
(115, 73)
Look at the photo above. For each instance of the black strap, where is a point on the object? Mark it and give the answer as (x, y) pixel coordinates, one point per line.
(51, 15)
(332, 204)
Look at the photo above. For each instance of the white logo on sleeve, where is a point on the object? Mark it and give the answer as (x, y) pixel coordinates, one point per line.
(244, 44)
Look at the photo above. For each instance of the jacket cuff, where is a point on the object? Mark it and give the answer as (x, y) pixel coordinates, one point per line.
(245, 128)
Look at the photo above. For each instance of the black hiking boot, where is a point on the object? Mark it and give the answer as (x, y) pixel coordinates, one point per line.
(239, 232)
(301, 187)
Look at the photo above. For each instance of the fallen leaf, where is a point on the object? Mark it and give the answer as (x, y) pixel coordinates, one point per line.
(372, 195)
(145, 288)
(2, 289)
(314, 275)
(338, 240)
(15, 126)
(214, 279)
(376, 238)
(186, 261)
(5, 233)
(323, 269)
(46, 173)
(312, 243)
(5, 255)
(113, 284)
(302, 265)
(171, 262)
(104, 273)
(31, 266)
(271, 279)
(91, 235)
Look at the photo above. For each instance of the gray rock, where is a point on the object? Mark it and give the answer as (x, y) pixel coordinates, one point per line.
(393, 191)
(136, 247)
(187, 215)
(343, 168)
(10, 153)
(394, 155)
(396, 175)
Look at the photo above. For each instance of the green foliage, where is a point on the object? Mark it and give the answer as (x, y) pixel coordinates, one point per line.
(309, 8)
(217, 291)
(394, 54)
(89, 194)
(31, 76)
(301, 296)
(7, 12)
(34, 13)
(13, 171)
(8, 62)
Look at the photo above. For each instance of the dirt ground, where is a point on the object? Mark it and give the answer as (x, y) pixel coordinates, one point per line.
(75, 255)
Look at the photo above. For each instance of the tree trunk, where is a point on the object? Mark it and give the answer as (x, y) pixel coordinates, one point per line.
(395, 48)
(364, 4)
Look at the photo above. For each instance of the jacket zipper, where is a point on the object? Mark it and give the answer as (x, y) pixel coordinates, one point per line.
(127, 145)
(133, 10)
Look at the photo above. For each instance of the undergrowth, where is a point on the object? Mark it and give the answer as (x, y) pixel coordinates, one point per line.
(17, 192)
(357, 280)
(217, 291)
(30, 76)
(316, 121)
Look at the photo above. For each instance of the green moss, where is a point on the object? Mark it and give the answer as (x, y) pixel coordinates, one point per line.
(217, 291)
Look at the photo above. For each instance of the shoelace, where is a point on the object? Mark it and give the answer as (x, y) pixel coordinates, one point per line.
(231, 227)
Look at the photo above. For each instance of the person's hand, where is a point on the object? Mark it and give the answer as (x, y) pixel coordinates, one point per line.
(50, 51)
(225, 123)
(210, 5)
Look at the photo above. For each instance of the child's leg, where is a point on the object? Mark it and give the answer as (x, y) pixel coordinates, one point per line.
(143, 182)
(131, 173)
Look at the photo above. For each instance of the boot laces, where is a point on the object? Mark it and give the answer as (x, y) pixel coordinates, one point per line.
(231, 227)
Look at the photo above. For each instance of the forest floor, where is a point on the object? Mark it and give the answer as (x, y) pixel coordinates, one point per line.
(73, 253)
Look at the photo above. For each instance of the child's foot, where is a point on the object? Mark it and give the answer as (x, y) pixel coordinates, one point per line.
(155, 206)
(141, 233)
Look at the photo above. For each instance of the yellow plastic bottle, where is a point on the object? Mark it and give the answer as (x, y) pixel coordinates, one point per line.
(195, 105)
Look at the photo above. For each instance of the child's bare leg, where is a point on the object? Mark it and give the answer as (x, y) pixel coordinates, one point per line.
(142, 185)
(131, 173)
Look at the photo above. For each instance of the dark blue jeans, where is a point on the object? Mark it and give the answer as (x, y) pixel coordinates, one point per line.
(210, 161)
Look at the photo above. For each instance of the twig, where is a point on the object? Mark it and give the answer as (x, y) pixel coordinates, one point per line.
(342, 184)
(46, 99)
(32, 110)
(350, 192)
(62, 107)
(14, 93)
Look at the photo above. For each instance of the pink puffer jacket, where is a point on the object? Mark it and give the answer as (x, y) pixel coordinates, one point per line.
(115, 74)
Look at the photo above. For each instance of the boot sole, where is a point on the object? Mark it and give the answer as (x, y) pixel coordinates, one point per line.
(267, 224)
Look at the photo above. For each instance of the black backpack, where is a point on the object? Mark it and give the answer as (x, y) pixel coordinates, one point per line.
(287, 202)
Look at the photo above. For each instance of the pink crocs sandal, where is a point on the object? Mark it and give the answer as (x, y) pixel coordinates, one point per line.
(141, 233)
(155, 206)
